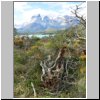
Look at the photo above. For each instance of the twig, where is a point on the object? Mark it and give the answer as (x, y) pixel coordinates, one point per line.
(35, 95)
(71, 83)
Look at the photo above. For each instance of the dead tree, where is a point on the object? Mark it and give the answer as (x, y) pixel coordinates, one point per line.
(52, 76)
(80, 17)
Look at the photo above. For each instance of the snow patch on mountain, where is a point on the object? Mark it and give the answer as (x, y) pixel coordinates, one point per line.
(39, 24)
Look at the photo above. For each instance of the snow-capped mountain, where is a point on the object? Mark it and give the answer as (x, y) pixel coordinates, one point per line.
(39, 24)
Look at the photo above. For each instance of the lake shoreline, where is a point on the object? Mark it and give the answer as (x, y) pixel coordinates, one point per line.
(36, 35)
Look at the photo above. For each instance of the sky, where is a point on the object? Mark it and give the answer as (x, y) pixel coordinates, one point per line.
(23, 11)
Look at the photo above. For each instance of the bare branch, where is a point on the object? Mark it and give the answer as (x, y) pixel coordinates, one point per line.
(43, 71)
(35, 95)
(81, 38)
(81, 19)
(67, 67)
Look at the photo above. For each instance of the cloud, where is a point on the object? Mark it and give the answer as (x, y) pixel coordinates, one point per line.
(26, 16)
(23, 11)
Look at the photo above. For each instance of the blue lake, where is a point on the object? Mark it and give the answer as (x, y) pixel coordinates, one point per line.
(38, 35)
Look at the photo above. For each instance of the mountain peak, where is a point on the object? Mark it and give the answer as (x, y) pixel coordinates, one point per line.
(46, 19)
(37, 24)
(36, 16)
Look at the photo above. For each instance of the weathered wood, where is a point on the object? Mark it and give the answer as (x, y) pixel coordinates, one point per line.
(35, 95)
(52, 75)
